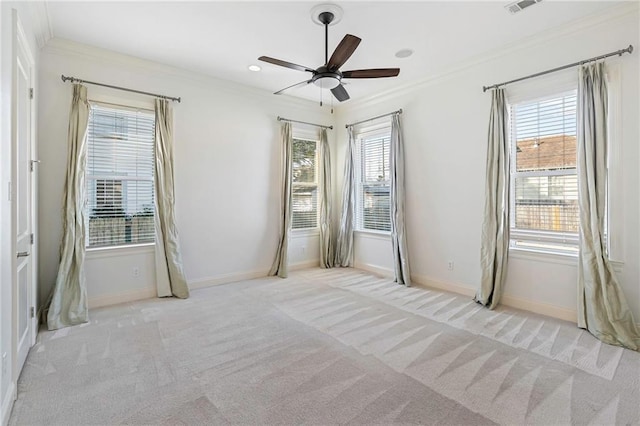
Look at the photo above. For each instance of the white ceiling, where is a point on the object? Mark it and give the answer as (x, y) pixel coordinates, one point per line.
(222, 38)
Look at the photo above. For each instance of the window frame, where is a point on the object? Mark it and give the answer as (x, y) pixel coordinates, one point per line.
(307, 137)
(374, 131)
(117, 104)
(532, 240)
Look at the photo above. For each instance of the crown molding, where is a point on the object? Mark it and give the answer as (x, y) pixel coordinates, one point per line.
(64, 47)
(41, 22)
(613, 14)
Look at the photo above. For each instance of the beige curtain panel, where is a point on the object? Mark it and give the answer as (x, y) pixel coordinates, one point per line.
(279, 266)
(170, 277)
(495, 227)
(398, 233)
(327, 252)
(344, 245)
(602, 307)
(68, 305)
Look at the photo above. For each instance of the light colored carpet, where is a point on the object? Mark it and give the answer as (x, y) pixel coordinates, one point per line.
(324, 347)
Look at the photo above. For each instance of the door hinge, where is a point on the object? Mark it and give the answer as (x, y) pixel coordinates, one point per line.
(31, 238)
(33, 312)
(31, 93)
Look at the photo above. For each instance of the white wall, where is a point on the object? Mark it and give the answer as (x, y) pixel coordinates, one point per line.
(226, 171)
(445, 126)
(7, 252)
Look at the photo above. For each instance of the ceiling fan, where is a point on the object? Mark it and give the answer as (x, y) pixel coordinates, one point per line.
(329, 76)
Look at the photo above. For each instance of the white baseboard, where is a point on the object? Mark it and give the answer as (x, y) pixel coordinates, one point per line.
(7, 403)
(377, 270)
(226, 279)
(426, 282)
(506, 300)
(148, 293)
(242, 276)
(127, 296)
(304, 265)
(540, 308)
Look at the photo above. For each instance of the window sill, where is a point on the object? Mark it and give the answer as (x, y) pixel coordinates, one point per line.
(304, 233)
(379, 235)
(114, 251)
(544, 256)
(558, 258)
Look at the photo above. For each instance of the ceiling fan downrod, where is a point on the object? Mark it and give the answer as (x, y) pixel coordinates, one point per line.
(326, 18)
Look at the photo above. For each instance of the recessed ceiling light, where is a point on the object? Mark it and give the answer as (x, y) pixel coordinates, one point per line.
(404, 53)
(254, 68)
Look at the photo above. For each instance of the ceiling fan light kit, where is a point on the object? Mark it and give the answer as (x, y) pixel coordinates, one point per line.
(329, 76)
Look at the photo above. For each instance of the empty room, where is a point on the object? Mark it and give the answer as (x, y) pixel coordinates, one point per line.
(303, 212)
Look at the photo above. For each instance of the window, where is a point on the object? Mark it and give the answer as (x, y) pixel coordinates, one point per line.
(304, 199)
(544, 181)
(373, 185)
(120, 169)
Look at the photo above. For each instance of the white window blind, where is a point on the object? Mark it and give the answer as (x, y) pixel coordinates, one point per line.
(304, 201)
(544, 182)
(373, 186)
(120, 171)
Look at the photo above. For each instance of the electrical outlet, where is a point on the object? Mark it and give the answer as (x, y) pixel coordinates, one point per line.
(450, 265)
(136, 271)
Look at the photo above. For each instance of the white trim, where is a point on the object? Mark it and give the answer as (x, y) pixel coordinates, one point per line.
(41, 22)
(304, 265)
(305, 132)
(243, 276)
(7, 403)
(127, 296)
(377, 270)
(120, 251)
(544, 257)
(545, 37)
(227, 278)
(62, 47)
(558, 258)
(373, 235)
(425, 282)
(304, 233)
(559, 312)
(615, 175)
(541, 308)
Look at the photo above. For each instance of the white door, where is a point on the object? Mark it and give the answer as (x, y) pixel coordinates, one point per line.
(22, 201)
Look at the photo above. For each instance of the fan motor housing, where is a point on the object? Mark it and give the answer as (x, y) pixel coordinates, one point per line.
(326, 79)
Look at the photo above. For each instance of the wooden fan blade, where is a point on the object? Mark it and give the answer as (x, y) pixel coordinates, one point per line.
(343, 52)
(371, 73)
(286, 64)
(302, 83)
(340, 93)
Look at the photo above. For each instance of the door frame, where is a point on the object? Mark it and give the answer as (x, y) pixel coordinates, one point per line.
(20, 43)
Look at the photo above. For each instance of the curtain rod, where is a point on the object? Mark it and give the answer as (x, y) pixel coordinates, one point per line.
(78, 80)
(374, 118)
(575, 64)
(304, 122)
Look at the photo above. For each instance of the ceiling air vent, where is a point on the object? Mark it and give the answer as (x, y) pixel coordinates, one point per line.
(519, 6)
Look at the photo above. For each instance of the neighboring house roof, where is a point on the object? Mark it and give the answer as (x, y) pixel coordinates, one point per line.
(546, 153)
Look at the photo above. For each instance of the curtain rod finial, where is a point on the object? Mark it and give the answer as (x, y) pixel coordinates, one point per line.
(630, 48)
(484, 88)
